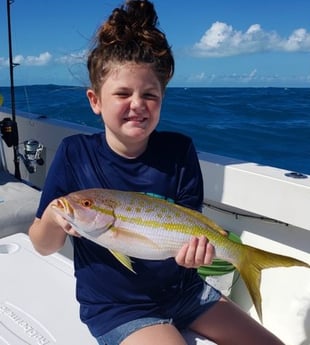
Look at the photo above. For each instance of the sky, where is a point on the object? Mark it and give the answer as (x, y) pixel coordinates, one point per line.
(216, 43)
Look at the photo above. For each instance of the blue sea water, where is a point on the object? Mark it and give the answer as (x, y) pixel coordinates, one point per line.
(268, 126)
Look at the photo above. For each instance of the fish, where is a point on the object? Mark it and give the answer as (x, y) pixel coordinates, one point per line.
(136, 225)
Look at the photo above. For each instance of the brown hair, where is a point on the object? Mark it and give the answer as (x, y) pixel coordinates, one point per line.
(130, 35)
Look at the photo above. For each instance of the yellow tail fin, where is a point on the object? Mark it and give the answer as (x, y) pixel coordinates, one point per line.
(253, 262)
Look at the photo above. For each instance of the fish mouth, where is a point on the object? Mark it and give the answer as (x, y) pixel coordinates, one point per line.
(63, 207)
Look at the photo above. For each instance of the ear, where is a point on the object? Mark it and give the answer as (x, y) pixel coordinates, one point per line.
(94, 101)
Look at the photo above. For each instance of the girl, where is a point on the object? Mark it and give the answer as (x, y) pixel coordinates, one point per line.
(129, 69)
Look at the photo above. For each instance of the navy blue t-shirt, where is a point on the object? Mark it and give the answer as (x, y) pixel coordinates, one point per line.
(108, 293)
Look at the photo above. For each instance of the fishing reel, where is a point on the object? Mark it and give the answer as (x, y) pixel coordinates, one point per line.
(32, 155)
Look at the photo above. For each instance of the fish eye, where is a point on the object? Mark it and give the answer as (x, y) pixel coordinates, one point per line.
(86, 203)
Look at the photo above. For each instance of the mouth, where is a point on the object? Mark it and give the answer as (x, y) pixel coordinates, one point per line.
(136, 119)
(63, 207)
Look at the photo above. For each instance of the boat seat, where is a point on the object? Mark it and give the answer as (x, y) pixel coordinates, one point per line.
(37, 298)
(18, 204)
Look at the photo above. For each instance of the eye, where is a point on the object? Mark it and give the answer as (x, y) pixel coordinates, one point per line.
(150, 96)
(86, 203)
(122, 95)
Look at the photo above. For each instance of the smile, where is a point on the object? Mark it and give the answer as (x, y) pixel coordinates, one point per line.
(136, 119)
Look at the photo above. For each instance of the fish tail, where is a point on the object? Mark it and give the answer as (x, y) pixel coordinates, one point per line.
(253, 262)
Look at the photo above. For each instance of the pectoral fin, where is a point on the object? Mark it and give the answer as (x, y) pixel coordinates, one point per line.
(123, 259)
(128, 236)
(133, 236)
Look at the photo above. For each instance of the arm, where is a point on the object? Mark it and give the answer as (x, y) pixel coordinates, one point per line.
(47, 233)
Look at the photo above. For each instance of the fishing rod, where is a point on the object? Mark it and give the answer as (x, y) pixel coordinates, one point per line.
(9, 128)
(32, 148)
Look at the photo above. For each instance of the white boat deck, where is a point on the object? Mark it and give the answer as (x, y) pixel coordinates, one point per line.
(37, 303)
(18, 204)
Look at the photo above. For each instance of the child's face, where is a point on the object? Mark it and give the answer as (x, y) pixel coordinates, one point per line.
(129, 103)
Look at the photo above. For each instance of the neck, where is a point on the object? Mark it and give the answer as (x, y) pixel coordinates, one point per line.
(127, 150)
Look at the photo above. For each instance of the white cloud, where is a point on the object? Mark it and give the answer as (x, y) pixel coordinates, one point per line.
(3, 62)
(41, 60)
(73, 57)
(250, 78)
(44, 59)
(200, 76)
(222, 39)
(246, 77)
(299, 40)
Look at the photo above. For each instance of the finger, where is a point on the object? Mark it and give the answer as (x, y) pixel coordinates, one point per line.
(209, 254)
(67, 227)
(75, 233)
(70, 231)
(191, 252)
(201, 251)
(180, 257)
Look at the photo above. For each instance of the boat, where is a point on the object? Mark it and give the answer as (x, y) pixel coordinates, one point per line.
(264, 206)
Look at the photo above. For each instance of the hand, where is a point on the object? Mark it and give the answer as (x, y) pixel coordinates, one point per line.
(69, 230)
(63, 223)
(198, 252)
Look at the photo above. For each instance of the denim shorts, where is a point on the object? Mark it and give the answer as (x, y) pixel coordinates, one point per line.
(180, 314)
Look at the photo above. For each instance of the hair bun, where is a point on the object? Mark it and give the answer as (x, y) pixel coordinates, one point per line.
(131, 33)
(142, 14)
(132, 20)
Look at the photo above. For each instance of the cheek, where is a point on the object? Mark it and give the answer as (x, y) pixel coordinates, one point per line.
(155, 110)
(113, 111)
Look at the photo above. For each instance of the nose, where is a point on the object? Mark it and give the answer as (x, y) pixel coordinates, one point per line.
(137, 103)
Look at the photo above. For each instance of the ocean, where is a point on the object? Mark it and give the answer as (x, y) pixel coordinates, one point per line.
(267, 126)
